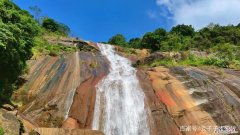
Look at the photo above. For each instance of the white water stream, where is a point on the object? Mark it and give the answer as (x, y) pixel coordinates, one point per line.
(119, 107)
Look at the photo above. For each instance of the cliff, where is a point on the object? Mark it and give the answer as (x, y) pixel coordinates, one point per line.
(59, 92)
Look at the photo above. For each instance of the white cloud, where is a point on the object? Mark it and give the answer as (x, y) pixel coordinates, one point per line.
(152, 14)
(200, 13)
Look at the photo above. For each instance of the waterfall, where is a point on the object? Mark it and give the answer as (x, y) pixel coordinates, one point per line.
(119, 107)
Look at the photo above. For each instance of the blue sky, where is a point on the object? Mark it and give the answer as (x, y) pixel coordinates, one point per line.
(98, 20)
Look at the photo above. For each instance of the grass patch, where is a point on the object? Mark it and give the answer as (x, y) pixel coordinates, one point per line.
(129, 51)
(195, 61)
(42, 47)
(1, 131)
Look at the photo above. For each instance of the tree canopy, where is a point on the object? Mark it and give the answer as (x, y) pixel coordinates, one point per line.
(53, 26)
(118, 39)
(184, 30)
(222, 41)
(183, 37)
(17, 30)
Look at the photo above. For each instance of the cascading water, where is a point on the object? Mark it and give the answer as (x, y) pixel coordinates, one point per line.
(119, 107)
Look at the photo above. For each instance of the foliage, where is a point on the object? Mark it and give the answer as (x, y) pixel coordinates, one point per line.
(43, 47)
(53, 26)
(129, 50)
(134, 43)
(216, 62)
(152, 40)
(50, 24)
(172, 43)
(222, 41)
(215, 35)
(226, 51)
(184, 30)
(118, 39)
(21, 36)
(183, 37)
(191, 60)
(17, 30)
(1, 131)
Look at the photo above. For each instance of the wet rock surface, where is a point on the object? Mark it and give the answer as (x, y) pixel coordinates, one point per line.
(94, 69)
(161, 123)
(220, 91)
(61, 87)
(198, 98)
(60, 92)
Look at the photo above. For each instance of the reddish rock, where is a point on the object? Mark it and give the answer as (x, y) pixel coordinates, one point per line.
(161, 121)
(57, 83)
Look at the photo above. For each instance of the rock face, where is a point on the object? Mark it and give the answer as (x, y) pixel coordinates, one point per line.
(158, 56)
(132, 54)
(60, 92)
(160, 120)
(197, 98)
(83, 105)
(59, 88)
(9, 122)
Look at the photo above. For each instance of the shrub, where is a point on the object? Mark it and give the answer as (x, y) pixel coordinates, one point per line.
(17, 30)
(217, 62)
(53, 53)
(1, 131)
(118, 39)
(192, 60)
(53, 26)
(225, 51)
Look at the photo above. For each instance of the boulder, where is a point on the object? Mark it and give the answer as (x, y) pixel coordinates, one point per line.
(8, 107)
(9, 123)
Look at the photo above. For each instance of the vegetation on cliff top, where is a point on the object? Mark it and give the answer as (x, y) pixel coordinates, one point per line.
(190, 60)
(222, 42)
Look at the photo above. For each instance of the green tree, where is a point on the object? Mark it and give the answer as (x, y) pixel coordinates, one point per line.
(152, 40)
(62, 28)
(238, 25)
(184, 30)
(17, 30)
(134, 42)
(160, 32)
(56, 27)
(118, 39)
(50, 24)
(172, 43)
